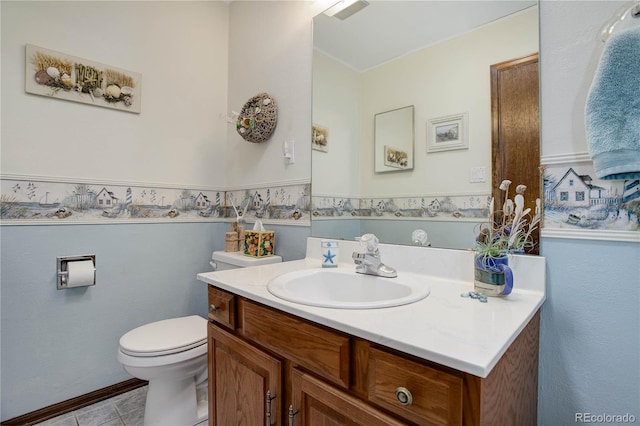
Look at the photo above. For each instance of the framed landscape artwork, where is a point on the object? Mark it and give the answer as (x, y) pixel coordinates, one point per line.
(448, 133)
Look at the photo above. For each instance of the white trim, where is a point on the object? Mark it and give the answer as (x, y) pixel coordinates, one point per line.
(321, 195)
(106, 182)
(268, 184)
(576, 157)
(431, 195)
(427, 218)
(598, 235)
(285, 222)
(408, 218)
(38, 222)
(344, 217)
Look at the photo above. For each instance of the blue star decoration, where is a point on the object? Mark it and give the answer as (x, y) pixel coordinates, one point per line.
(328, 258)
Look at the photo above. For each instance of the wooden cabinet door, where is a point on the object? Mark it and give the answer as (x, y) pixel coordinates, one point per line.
(240, 376)
(515, 133)
(316, 403)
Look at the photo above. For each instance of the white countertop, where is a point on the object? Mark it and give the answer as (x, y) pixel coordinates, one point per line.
(457, 332)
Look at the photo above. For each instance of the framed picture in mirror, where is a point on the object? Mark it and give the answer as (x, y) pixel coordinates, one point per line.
(320, 138)
(394, 157)
(393, 140)
(448, 133)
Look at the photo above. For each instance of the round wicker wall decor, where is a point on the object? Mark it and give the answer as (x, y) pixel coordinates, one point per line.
(258, 118)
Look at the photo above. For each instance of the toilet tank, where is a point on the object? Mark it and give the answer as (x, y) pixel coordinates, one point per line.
(222, 260)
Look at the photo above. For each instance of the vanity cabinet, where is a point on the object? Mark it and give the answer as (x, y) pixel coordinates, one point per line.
(267, 367)
(240, 375)
(316, 402)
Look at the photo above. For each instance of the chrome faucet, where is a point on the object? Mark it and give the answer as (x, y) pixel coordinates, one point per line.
(368, 261)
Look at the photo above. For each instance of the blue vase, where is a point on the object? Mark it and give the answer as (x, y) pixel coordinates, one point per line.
(493, 276)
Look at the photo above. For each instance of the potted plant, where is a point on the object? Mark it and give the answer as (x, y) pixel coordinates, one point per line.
(508, 231)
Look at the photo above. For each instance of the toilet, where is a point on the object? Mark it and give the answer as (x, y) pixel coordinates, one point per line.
(172, 355)
(223, 260)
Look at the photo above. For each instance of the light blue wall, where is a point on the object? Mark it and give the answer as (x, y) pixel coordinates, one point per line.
(58, 344)
(336, 228)
(55, 344)
(590, 330)
(590, 326)
(456, 235)
(291, 241)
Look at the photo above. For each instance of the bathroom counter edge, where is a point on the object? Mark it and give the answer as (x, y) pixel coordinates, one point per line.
(445, 328)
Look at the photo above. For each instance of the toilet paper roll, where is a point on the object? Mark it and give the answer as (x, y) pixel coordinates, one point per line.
(81, 273)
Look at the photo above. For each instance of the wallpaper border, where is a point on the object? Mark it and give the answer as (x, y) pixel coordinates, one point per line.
(45, 200)
(474, 207)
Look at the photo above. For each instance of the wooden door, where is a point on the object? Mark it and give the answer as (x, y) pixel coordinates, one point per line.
(239, 377)
(515, 137)
(316, 403)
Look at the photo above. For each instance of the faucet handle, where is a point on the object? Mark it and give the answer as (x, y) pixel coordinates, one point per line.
(420, 238)
(369, 242)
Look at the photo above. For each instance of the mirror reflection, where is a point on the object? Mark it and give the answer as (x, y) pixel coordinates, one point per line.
(440, 65)
(394, 140)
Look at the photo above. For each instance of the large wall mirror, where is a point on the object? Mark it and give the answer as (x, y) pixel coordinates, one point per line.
(434, 56)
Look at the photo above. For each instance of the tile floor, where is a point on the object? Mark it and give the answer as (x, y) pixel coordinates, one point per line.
(126, 409)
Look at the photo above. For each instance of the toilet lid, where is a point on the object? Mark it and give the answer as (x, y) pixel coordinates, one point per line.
(165, 337)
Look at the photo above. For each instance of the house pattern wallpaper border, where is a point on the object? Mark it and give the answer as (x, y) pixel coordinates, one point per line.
(575, 204)
(450, 207)
(289, 203)
(32, 201)
(576, 201)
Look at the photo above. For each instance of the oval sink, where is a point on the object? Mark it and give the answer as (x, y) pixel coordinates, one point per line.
(346, 289)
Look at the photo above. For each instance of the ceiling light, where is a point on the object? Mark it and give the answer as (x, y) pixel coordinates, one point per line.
(345, 8)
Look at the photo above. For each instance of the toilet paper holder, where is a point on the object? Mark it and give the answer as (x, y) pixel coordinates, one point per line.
(62, 263)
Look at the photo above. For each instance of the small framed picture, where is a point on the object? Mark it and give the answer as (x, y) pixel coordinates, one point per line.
(320, 139)
(448, 133)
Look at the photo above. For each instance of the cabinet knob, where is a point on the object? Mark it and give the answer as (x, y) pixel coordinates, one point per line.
(213, 309)
(403, 395)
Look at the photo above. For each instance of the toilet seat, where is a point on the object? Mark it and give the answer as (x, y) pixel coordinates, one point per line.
(165, 337)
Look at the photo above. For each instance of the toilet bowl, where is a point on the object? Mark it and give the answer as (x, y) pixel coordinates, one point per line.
(172, 355)
(224, 260)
